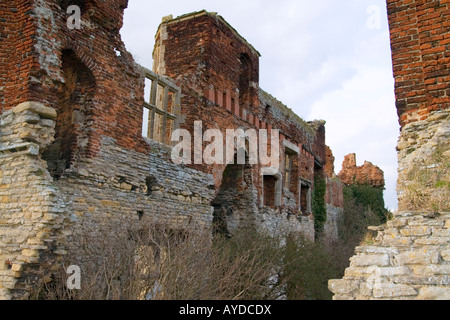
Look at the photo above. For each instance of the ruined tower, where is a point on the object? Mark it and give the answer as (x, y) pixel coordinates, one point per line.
(420, 53)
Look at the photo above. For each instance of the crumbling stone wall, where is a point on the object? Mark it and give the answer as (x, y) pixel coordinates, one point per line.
(32, 213)
(123, 183)
(424, 155)
(408, 258)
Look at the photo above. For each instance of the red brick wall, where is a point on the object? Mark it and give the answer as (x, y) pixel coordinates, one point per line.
(17, 57)
(218, 72)
(32, 69)
(216, 68)
(207, 47)
(334, 195)
(367, 174)
(420, 41)
(203, 56)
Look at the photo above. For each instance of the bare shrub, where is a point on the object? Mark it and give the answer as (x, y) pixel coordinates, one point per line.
(159, 263)
(240, 268)
(108, 266)
(156, 262)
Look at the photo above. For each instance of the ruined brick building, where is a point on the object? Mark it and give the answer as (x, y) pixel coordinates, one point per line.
(84, 140)
(367, 174)
(85, 135)
(410, 256)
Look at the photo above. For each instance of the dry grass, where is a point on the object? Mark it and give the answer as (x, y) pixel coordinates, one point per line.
(428, 185)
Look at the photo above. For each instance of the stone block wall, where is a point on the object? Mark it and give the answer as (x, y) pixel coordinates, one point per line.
(408, 259)
(121, 184)
(424, 157)
(32, 213)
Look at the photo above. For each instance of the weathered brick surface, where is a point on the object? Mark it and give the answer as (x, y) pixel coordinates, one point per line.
(17, 57)
(218, 71)
(47, 50)
(420, 53)
(367, 174)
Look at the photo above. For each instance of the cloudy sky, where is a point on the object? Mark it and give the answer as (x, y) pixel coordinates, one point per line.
(326, 59)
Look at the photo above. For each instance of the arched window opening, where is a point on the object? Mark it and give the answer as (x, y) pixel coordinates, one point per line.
(271, 189)
(64, 4)
(74, 112)
(231, 201)
(245, 79)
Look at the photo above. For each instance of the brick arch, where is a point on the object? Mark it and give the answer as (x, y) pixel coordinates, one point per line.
(245, 73)
(82, 55)
(231, 199)
(74, 111)
(64, 4)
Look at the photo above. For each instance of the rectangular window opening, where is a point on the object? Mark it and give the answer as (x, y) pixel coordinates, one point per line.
(161, 108)
(287, 170)
(269, 191)
(305, 198)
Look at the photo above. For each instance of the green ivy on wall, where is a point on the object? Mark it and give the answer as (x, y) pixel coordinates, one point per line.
(319, 206)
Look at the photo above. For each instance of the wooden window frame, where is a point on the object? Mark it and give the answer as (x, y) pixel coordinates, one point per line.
(162, 109)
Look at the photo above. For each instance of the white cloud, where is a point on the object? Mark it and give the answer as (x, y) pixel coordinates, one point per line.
(361, 119)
